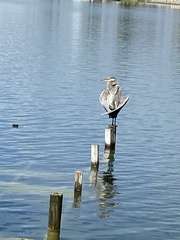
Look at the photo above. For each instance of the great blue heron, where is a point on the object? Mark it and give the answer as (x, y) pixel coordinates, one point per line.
(111, 99)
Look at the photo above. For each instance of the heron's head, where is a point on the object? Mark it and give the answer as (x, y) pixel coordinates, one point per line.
(111, 80)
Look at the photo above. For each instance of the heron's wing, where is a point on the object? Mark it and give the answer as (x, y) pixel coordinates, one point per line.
(103, 96)
(103, 100)
(113, 113)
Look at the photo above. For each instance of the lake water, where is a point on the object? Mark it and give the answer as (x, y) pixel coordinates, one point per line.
(52, 54)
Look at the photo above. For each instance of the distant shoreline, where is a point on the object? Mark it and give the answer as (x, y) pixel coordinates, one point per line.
(155, 2)
(164, 2)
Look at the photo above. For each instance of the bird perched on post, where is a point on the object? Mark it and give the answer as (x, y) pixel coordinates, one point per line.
(111, 99)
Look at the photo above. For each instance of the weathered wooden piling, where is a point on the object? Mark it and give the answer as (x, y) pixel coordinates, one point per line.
(55, 211)
(78, 189)
(94, 156)
(110, 137)
(78, 181)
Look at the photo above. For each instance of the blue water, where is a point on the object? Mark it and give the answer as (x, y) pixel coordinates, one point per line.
(52, 54)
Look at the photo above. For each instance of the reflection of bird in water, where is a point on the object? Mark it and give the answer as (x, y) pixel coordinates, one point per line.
(111, 99)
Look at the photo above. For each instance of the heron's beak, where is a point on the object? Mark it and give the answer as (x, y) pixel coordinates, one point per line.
(106, 79)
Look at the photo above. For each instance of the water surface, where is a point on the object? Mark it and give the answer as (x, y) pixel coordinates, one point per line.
(52, 54)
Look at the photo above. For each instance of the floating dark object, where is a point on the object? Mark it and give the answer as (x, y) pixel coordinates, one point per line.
(111, 99)
(15, 125)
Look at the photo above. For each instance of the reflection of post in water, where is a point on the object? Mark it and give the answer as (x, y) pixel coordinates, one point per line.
(109, 155)
(108, 176)
(93, 177)
(107, 191)
(103, 184)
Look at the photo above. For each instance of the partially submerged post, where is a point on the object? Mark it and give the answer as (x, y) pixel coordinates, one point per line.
(94, 156)
(55, 211)
(94, 163)
(110, 137)
(78, 181)
(77, 189)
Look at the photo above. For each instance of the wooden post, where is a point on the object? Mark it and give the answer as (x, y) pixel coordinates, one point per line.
(94, 156)
(110, 137)
(54, 221)
(78, 181)
(77, 189)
